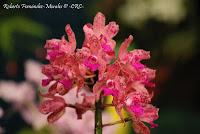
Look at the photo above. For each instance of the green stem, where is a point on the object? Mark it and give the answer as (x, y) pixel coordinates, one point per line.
(98, 117)
(117, 122)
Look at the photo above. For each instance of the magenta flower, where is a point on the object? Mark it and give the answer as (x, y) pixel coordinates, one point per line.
(92, 63)
(126, 79)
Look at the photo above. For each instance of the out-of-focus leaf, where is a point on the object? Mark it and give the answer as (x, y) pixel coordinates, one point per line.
(18, 25)
(44, 130)
(180, 45)
(26, 131)
(177, 121)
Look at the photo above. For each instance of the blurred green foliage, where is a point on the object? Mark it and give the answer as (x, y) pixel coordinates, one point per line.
(180, 45)
(19, 25)
(44, 130)
(177, 121)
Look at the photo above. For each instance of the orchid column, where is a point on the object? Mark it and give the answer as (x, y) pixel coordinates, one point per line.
(95, 68)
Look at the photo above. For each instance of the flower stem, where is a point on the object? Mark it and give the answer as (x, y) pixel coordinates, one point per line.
(117, 122)
(98, 117)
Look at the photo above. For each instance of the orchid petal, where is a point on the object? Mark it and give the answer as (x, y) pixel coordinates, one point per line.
(71, 37)
(99, 23)
(52, 105)
(55, 115)
(124, 46)
(140, 128)
(150, 114)
(66, 83)
(46, 82)
(111, 29)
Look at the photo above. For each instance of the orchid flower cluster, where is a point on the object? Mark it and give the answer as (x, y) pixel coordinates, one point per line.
(96, 68)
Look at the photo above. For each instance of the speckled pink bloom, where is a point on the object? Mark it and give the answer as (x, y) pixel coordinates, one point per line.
(124, 77)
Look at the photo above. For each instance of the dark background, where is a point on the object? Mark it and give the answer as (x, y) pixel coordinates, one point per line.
(174, 46)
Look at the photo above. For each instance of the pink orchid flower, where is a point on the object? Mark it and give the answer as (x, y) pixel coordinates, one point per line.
(55, 106)
(126, 79)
